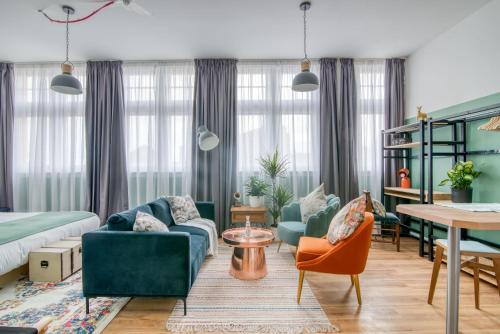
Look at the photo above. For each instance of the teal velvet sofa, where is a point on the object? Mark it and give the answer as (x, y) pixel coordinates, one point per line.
(118, 262)
(291, 227)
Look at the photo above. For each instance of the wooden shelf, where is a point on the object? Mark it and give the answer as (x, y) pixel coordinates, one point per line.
(407, 145)
(414, 194)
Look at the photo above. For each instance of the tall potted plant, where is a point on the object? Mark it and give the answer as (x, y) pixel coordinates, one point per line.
(256, 189)
(460, 177)
(275, 168)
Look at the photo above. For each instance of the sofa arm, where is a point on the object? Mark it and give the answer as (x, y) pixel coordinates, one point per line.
(206, 210)
(291, 212)
(126, 263)
(318, 224)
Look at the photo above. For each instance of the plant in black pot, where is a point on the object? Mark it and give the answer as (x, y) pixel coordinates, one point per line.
(460, 177)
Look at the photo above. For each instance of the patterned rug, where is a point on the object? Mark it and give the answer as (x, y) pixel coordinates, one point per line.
(23, 303)
(220, 303)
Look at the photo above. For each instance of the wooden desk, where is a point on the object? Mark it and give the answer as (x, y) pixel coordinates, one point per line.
(455, 219)
(257, 215)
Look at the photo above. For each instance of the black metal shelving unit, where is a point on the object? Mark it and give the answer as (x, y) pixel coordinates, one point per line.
(427, 150)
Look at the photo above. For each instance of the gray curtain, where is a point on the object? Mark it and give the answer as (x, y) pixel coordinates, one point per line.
(328, 167)
(348, 170)
(6, 132)
(214, 172)
(107, 189)
(394, 112)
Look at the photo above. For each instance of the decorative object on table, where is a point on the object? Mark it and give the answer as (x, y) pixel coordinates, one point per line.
(66, 83)
(291, 228)
(182, 208)
(237, 199)
(405, 181)
(257, 215)
(275, 168)
(460, 177)
(421, 116)
(305, 81)
(221, 304)
(311, 204)
(398, 140)
(492, 125)
(249, 259)
(248, 226)
(24, 303)
(207, 140)
(256, 189)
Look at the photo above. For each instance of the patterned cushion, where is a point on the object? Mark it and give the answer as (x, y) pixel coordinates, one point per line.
(378, 208)
(347, 220)
(182, 208)
(312, 203)
(144, 222)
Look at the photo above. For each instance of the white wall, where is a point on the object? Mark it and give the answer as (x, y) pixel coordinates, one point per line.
(461, 64)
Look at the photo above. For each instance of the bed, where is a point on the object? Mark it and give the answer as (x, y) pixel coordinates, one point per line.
(21, 232)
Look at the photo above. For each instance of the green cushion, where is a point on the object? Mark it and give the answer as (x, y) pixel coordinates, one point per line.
(389, 218)
(124, 221)
(291, 231)
(161, 210)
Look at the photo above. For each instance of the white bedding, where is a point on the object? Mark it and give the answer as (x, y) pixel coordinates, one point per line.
(15, 253)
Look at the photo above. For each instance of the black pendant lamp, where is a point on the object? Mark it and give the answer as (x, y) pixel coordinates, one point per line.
(66, 83)
(305, 81)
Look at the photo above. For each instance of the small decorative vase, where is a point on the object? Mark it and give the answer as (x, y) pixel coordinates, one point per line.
(256, 201)
(461, 195)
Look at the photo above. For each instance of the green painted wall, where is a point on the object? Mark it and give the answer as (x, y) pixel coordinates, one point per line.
(487, 187)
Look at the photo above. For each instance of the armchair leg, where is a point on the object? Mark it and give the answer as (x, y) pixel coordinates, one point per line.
(185, 306)
(355, 278)
(279, 246)
(299, 289)
(87, 305)
(435, 273)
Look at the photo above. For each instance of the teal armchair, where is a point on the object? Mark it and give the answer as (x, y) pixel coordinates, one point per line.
(291, 228)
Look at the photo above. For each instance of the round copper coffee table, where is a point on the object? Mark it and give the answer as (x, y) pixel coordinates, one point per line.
(249, 259)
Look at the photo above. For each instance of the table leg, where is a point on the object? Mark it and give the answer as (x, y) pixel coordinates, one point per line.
(452, 299)
(248, 263)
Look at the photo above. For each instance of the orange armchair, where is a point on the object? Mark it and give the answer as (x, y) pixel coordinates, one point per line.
(347, 257)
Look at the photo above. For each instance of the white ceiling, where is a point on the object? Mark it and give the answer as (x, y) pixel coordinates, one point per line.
(245, 29)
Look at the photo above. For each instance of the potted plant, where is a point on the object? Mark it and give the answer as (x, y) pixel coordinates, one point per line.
(275, 167)
(255, 190)
(460, 177)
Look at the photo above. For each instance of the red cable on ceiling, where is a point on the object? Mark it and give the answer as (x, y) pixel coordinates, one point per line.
(109, 3)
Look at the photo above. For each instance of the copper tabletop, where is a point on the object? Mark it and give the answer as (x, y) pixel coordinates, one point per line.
(259, 237)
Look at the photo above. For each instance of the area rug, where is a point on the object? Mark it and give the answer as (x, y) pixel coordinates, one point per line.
(222, 304)
(23, 303)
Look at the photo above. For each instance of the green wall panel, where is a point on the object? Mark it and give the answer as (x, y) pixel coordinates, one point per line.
(487, 187)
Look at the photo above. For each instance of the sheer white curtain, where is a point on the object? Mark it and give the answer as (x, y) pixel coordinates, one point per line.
(159, 107)
(370, 121)
(49, 142)
(271, 115)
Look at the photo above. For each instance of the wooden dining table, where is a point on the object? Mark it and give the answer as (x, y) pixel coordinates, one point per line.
(454, 219)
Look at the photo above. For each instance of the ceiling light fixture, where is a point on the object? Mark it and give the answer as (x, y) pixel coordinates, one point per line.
(305, 81)
(66, 83)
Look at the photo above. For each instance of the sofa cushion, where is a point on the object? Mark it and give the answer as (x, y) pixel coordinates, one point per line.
(161, 210)
(192, 231)
(124, 221)
(198, 251)
(312, 203)
(347, 220)
(144, 222)
(182, 208)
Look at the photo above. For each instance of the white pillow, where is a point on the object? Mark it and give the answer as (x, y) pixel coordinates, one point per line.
(182, 208)
(144, 222)
(312, 203)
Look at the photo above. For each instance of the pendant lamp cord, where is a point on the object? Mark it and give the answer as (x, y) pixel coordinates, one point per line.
(305, 35)
(67, 38)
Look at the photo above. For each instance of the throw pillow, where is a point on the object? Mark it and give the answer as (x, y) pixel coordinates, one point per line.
(312, 203)
(378, 208)
(347, 220)
(144, 222)
(182, 208)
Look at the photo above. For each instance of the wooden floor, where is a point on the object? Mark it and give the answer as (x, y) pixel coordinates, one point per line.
(394, 289)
